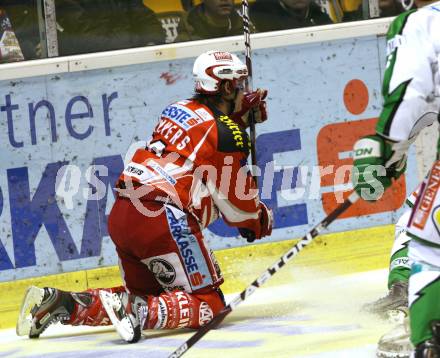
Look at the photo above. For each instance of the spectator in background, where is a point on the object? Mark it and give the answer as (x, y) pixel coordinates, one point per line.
(10, 50)
(170, 14)
(103, 25)
(271, 15)
(386, 8)
(336, 9)
(24, 18)
(390, 8)
(210, 19)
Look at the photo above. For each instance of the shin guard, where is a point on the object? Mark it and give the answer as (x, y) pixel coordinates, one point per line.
(179, 309)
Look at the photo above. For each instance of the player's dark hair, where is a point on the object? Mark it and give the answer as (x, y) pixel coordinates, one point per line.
(205, 98)
(209, 99)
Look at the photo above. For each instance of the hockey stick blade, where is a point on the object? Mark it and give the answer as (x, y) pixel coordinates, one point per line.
(272, 270)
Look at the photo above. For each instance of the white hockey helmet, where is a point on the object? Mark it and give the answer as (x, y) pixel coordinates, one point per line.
(213, 67)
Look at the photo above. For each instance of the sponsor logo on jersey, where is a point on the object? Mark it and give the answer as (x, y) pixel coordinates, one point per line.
(194, 262)
(185, 241)
(172, 133)
(204, 114)
(400, 262)
(163, 271)
(394, 43)
(222, 56)
(132, 170)
(182, 116)
(162, 172)
(205, 314)
(235, 129)
(423, 210)
(162, 314)
(182, 301)
(196, 279)
(135, 170)
(169, 262)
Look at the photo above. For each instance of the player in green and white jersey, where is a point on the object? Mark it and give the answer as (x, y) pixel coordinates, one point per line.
(411, 91)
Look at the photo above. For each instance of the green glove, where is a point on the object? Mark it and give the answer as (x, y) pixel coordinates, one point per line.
(372, 172)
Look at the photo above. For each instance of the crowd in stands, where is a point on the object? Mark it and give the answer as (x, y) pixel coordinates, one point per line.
(85, 26)
(9, 47)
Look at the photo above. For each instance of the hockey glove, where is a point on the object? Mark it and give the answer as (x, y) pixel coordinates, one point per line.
(254, 101)
(375, 164)
(265, 227)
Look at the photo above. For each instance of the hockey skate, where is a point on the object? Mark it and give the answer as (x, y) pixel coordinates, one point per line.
(127, 313)
(42, 307)
(396, 299)
(396, 343)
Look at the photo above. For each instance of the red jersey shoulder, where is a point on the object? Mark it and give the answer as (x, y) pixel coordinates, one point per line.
(181, 127)
(190, 119)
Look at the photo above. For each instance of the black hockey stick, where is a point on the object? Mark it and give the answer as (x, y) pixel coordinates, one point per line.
(272, 270)
(247, 45)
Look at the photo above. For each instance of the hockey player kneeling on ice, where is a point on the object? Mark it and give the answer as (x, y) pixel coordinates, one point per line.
(192, 171)
(411, 91)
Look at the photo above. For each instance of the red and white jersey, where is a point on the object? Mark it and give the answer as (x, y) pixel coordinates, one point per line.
(197, 159)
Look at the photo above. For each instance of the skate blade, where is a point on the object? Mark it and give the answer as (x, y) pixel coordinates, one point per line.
(123, 326)
(34, 296)
(396, 346)
(385, 354)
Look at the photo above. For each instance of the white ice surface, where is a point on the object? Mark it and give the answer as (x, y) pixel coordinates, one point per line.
(313, 317)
